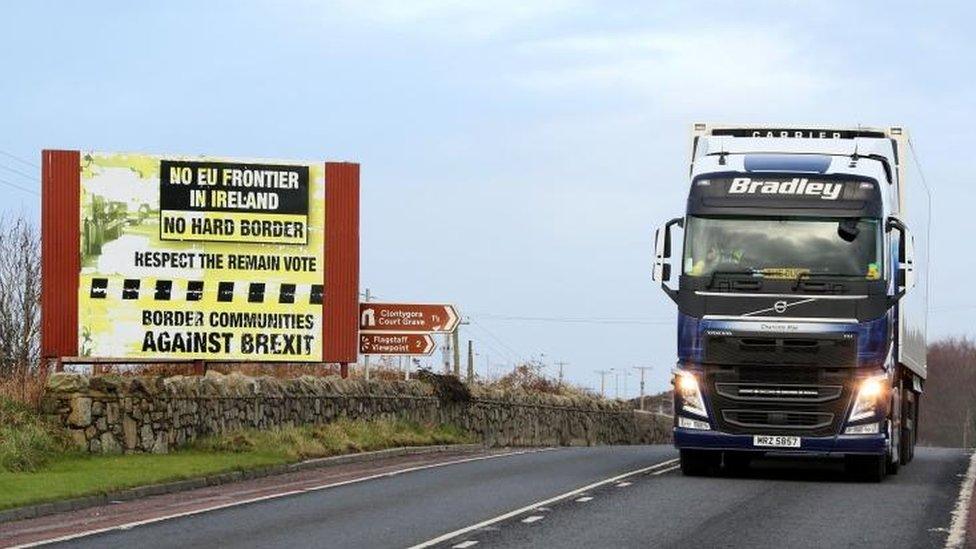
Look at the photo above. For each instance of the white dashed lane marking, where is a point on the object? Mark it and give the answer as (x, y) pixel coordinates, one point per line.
(533, 518)
(623, 484)
(465, 544)
(533, 507)
(584, 499)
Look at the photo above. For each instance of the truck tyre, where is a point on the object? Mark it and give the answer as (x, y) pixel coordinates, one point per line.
(696, 463)
(909, 425)
(868, 468)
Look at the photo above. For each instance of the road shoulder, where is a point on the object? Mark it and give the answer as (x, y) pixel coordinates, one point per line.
(53, 520)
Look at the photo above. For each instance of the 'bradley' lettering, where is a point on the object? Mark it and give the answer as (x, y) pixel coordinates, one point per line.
(795, 186)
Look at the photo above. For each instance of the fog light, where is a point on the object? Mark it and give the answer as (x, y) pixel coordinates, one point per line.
(688, 423)
(866, 429)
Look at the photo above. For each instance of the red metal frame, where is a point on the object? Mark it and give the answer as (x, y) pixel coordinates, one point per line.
(60, 252)
(340, 326)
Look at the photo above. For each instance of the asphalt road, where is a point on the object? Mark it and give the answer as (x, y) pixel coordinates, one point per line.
(791, 503)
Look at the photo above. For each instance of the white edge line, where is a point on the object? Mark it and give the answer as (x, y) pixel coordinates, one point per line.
(130, 525)
(668, 470)
(957, 529)
(450, 535)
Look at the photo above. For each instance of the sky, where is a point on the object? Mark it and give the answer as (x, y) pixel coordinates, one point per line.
(516, 156)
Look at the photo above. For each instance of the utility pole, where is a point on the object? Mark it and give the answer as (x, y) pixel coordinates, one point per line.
(456, 347)
(603, 382)
(561, 364)
(616, 384)
(642, 369)
(470, 362)
(446, 353)
(366, 358)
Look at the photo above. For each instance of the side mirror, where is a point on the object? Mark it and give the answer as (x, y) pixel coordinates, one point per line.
(905, 277)
(662, 255)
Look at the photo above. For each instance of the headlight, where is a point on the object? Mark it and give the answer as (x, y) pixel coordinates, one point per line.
(686, 384)
(870, 394)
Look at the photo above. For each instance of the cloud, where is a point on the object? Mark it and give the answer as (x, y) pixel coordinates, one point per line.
(706, 67)
(456, 17)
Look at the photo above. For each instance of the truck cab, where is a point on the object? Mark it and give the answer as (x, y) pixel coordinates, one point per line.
(801, 294)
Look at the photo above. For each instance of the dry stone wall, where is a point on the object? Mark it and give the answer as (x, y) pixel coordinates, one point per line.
(113, 414)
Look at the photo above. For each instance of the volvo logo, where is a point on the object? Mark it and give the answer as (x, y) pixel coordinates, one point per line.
(780, 306)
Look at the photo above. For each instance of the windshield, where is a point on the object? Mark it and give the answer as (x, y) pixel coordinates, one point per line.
(782, 247)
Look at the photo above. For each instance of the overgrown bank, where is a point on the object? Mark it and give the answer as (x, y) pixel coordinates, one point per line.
(27, 441)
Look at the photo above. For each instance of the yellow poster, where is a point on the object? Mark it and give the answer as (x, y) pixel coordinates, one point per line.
(201, 258)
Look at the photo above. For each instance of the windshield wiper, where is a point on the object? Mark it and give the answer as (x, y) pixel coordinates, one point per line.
(742, 272)
(800, 277)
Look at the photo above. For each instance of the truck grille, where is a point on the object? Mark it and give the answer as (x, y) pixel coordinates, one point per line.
(778, 419)
(764, 349)
(779, 401)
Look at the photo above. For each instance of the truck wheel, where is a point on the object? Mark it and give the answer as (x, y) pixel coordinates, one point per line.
(867, 468)
(696, 463)
(909, 425)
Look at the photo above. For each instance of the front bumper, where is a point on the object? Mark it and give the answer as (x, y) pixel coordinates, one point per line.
(837, 445)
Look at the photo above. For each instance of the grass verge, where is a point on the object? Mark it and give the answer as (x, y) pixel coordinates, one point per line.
(26, 441)
(66, 475)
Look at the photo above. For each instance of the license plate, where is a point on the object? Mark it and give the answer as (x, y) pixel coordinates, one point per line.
(770, 441)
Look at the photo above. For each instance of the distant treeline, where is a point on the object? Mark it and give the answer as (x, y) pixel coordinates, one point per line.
(948, 406)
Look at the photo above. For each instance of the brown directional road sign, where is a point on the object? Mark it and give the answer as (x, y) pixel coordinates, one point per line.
(387, 343)
(430, 318)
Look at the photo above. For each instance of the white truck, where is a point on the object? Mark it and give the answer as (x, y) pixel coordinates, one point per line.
(802, 291)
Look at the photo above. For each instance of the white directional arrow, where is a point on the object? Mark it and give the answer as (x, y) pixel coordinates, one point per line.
(452, 320)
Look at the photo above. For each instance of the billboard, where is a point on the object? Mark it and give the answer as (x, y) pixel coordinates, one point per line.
(200, 258)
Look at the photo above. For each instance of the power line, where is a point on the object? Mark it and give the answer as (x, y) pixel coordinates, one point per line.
(18, 187)
(580, 320)
(494, 348)
(19, 159)
(20, 173)
(514, 354)
(501, 352)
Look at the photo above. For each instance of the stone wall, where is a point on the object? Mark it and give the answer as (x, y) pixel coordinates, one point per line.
(113, 414)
